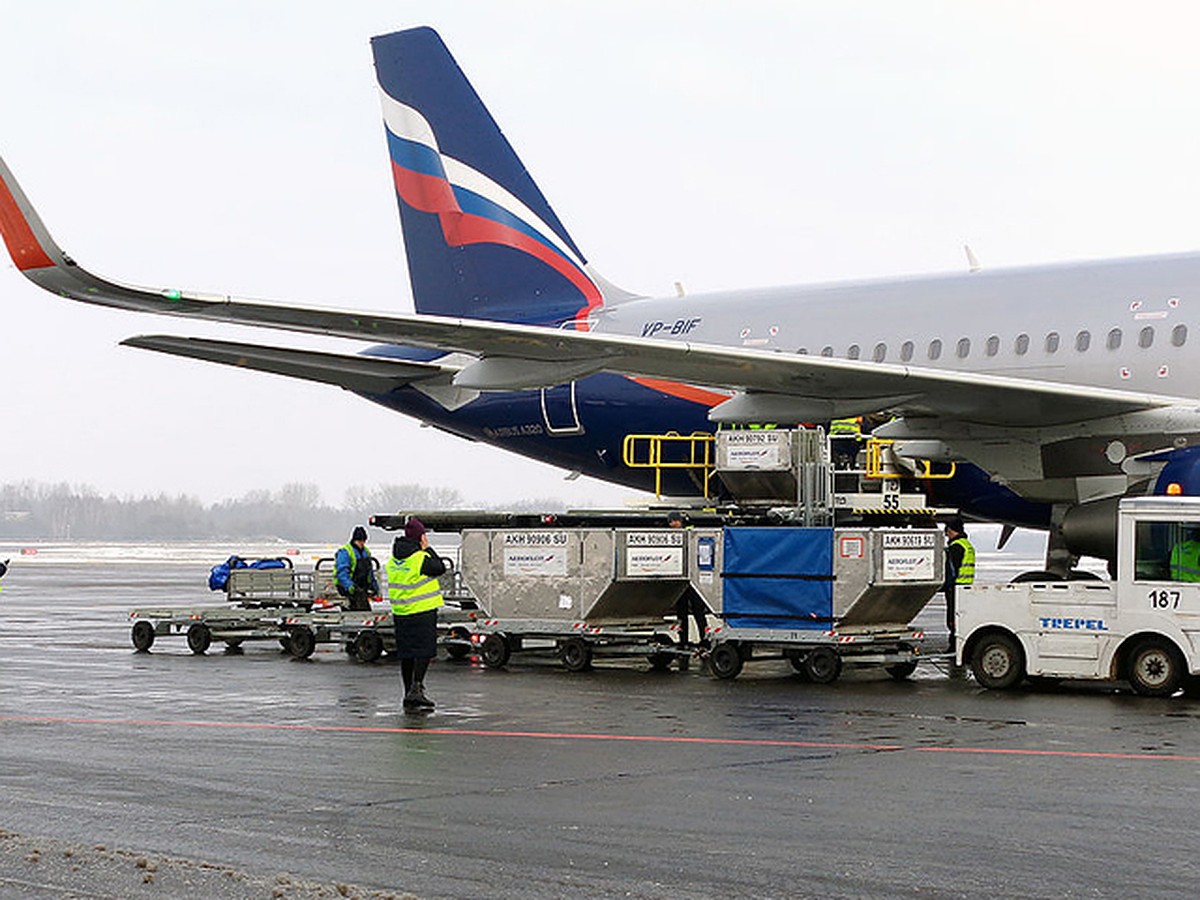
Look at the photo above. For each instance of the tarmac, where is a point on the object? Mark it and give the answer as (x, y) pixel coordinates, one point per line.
(167, 774)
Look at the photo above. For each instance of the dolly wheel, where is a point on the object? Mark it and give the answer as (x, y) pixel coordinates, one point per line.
(822, 665)
(302, 642)
(901, 671)
(495, 651)
(368, 647)
(725, 660)
(660, 661)
(576, 655)
(143, 635)
(199, 637)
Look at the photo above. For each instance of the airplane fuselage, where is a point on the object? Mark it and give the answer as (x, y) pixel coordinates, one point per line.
(1116, 324)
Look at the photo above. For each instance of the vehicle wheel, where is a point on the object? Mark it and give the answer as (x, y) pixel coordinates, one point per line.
(234, 647)
(576, 655)
(302, 642)
(143, 635)
(1155, 669)
(495, 651)
(901, 671)
(454, 651)
(368, 646)
(823, 665)
(199, 637)
(1043, 575)
(998, 662)
(725, 660)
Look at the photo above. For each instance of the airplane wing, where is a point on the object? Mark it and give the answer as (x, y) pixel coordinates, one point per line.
(364, 374)
(773, 386)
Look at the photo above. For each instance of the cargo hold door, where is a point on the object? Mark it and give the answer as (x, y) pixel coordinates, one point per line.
(560, 414)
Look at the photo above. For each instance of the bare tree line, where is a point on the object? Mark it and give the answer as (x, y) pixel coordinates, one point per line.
(296, 511)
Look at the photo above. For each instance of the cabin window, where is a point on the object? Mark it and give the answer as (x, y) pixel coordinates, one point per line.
(964, 348)
(827, 351)
(880, 352)
(1114, 339)
(1146, 337)
(1083, 340)
(853, 351)
(1179, 335)
(1154, 546)
(1021, 344)
(993, 346)
(1052, 342)
(935, 349)
(906, 351)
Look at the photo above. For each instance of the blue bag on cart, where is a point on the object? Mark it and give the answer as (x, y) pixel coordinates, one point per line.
(218, 575)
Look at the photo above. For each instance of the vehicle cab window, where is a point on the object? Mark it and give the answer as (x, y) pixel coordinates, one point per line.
(1167, 551)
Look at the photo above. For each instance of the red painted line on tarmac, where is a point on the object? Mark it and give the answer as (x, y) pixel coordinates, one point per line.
(585, 736)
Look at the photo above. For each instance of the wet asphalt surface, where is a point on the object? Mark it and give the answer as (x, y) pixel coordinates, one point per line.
(535, 782)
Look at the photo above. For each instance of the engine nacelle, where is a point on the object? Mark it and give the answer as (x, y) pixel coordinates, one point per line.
(1090, 529)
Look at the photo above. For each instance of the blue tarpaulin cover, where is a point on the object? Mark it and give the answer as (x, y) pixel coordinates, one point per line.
(218, 575)
(778, 578)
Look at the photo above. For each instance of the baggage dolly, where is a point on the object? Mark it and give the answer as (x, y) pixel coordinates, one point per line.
(820, 597)
(282, 604)
(584, 591)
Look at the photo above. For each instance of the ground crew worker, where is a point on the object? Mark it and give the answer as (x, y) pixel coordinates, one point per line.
(690, 601)
(1185, 557)
(354, 573)
(960, 567)
(412, 577)
(851, 426)
(847, 433)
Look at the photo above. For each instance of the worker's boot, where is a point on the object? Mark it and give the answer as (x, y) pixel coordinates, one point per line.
(412, 698)
(423, 702)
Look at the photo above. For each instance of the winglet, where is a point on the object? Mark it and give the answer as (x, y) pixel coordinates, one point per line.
(43, 262)
(28, 242)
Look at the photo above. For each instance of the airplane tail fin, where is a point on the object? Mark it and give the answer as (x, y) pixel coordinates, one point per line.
(482, 242)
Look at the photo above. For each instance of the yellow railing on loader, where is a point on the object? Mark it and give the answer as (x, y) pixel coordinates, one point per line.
(692, 452)
(878, 466)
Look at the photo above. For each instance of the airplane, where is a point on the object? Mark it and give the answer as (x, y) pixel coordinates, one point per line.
(1060, 388)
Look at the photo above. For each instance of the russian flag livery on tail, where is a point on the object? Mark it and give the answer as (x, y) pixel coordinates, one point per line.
(482, 242)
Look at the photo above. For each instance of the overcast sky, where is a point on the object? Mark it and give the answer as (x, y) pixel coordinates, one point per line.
(237, 147)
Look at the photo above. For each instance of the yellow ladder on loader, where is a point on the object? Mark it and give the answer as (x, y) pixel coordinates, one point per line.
(880, 466)
(691, 452)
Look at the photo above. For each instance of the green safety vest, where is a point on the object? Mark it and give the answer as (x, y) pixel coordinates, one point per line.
(409, 591)
(1185, 561)
(966, 571)
(851, 426)
(349, 548)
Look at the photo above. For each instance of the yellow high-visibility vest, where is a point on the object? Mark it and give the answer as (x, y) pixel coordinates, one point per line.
(409, 591)
(966, 570)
